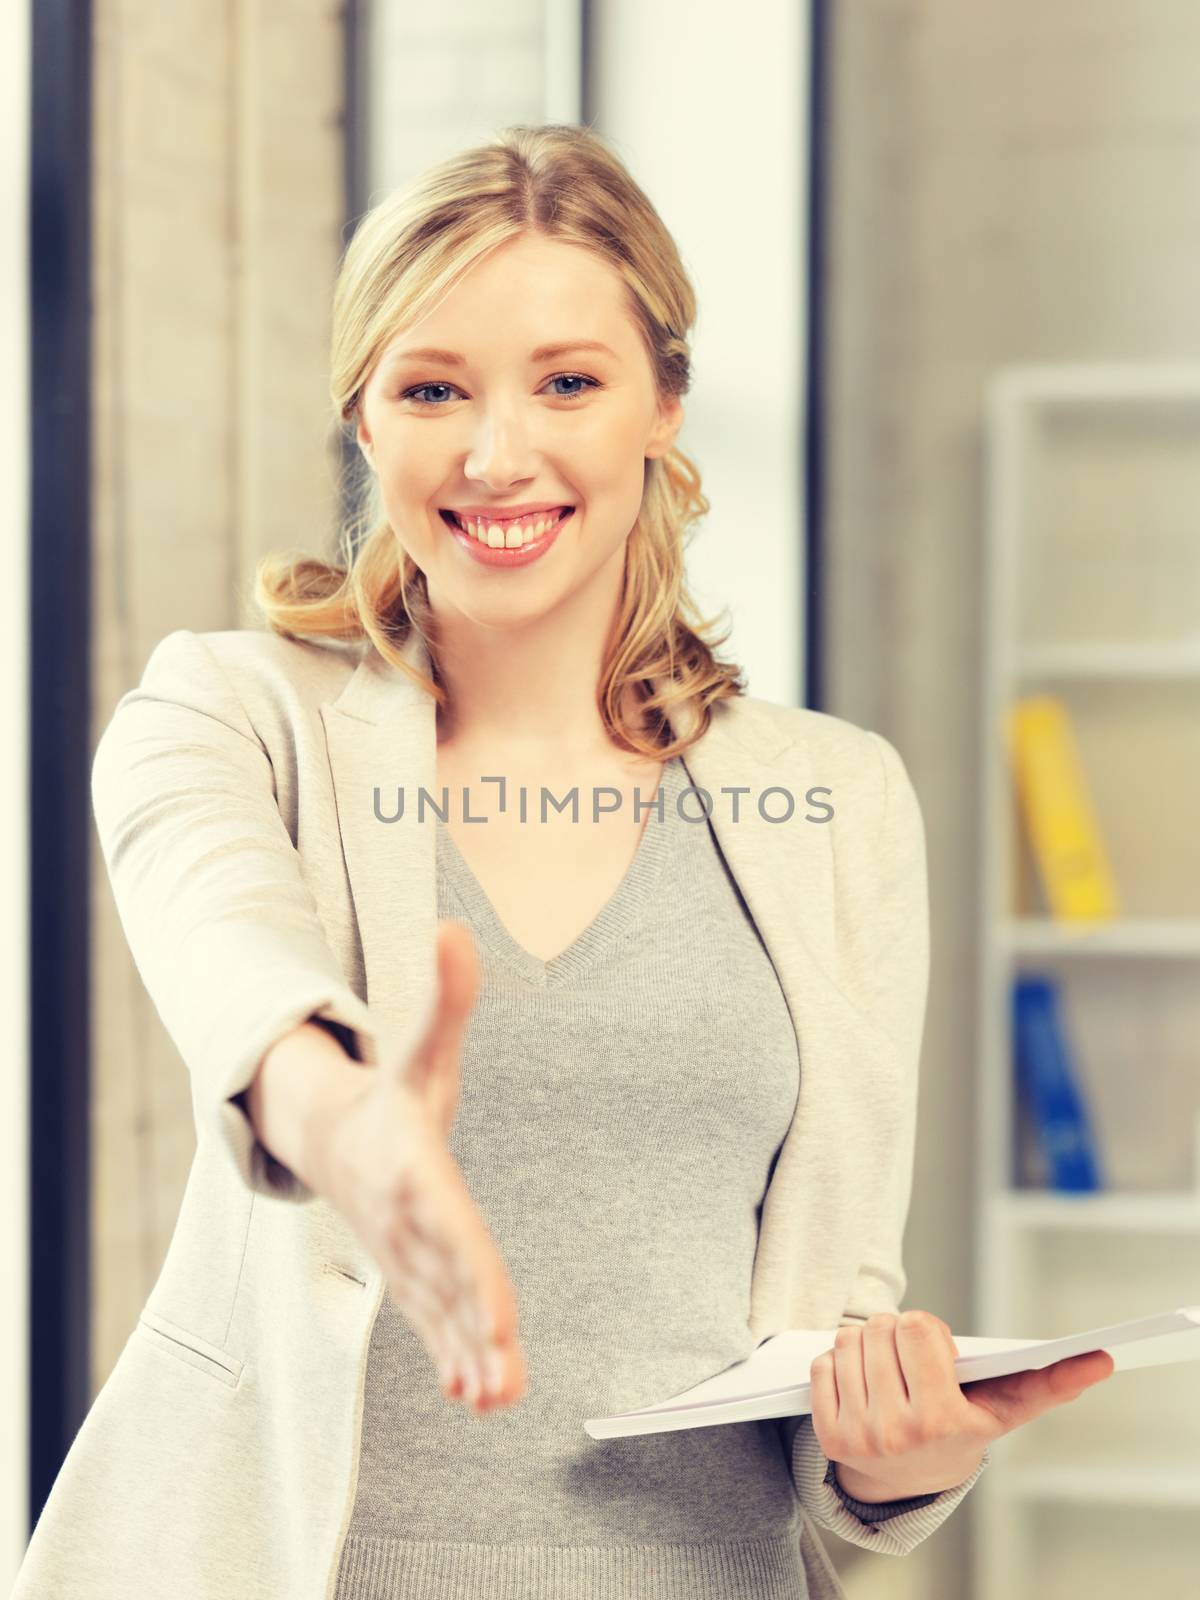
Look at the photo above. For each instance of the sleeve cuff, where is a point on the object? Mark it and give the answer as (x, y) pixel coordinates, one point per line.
(878, 1511)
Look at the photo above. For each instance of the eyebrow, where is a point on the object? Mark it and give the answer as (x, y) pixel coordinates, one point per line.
(544, 352)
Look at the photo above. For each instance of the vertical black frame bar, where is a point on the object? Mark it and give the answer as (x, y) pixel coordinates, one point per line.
(355, 140)
(60, 733)
(812, 607)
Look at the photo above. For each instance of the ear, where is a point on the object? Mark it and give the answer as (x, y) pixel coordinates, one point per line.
(670, 420)
(364, 441)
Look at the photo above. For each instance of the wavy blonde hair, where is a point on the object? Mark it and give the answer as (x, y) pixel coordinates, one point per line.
(562, 182)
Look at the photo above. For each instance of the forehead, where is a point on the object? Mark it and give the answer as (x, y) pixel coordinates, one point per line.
(557, 350)
(532, 299)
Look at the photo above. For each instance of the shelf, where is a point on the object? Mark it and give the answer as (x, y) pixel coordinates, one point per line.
(1091, 586)
(1097, 1483)
(1125, 936)
(1118, 383)
(1177, 1211)
(1117, 658)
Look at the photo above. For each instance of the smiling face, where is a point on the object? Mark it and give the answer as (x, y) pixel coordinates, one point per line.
(512, 424)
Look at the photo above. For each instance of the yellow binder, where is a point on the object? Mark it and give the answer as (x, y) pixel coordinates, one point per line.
(1057, 809)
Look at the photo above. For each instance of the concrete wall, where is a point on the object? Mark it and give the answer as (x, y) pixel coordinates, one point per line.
(218, 196)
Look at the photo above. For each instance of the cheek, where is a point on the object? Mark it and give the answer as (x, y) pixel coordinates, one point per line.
(609, 447)
(609, 475)
(408, 493)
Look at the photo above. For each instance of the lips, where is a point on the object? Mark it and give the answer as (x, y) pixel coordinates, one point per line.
(503, 553)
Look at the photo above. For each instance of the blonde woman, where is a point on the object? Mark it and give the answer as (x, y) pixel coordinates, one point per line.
(516, 1109)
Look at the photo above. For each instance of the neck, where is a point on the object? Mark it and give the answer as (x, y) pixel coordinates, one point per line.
(530, 687)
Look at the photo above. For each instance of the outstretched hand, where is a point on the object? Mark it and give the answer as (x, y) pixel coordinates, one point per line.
(386, 1165)
(888, 1409)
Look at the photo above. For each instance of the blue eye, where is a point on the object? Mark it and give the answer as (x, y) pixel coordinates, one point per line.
(573, 377)
(560, 377)
(411, 394)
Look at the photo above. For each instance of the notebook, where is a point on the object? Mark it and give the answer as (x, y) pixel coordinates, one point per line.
(773, 1380)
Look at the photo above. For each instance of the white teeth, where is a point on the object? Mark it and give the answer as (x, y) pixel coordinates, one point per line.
(510, 537)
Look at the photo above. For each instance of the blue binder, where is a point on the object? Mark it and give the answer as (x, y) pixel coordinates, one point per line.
(1048, 1089)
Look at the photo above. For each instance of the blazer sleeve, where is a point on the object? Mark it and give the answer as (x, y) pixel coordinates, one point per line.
(220, 921)
(885, 924)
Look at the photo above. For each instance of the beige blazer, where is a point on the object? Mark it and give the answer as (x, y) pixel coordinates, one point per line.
(233, 791)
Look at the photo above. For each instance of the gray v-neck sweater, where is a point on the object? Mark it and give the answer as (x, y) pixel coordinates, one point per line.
(621, 1108)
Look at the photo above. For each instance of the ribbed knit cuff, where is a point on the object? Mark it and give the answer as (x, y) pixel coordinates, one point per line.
(865, 1511)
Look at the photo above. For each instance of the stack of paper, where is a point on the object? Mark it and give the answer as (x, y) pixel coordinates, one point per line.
(773, 1381)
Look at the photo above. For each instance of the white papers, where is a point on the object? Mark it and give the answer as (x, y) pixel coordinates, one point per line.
(773, 1381)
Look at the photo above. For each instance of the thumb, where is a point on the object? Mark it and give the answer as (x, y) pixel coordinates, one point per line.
(432, 1066)
(1020, 1397)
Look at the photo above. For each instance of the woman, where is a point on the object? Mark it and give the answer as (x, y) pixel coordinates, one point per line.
(512, 1115)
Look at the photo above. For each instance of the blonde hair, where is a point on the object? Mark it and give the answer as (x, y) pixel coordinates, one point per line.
(561, 182)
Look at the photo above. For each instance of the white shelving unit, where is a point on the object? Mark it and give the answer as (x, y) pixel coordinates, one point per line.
(1092, 574)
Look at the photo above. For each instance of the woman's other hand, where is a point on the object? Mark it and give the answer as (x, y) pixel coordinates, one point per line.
(889, 1411)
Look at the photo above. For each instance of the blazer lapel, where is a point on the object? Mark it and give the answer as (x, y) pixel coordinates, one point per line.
(381, 734)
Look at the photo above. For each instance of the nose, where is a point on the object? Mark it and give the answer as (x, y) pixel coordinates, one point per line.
(501, 455)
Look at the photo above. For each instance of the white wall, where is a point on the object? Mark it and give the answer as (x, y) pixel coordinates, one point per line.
(15, 70)
(709, 109)
(438, 79)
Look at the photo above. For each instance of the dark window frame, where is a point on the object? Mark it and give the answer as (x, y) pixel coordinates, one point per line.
(60, 743)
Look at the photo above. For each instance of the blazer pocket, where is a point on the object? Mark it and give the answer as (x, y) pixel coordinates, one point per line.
(176, 1341)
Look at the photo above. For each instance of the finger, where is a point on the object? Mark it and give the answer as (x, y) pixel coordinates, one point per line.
(453, 1300)
(492, 1361)
(458, 987)
(883, 1377)
(469, 1359)
(429, 1330)
(1083, 1371)
(440, 1025)
(503, 1369)
(850, 1375)
(413, 1267)
(487, 1302)
(507, 1364)
(927, 1353)
(430, 1264)
(823, 1398)
(461, 1232)
(459, 979)
(1042, 1388)
(459, 964)
(429, 1291)
(1020, 1397)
